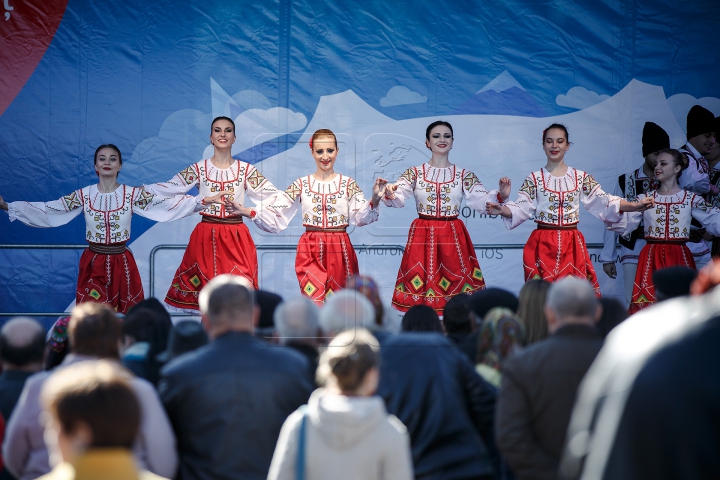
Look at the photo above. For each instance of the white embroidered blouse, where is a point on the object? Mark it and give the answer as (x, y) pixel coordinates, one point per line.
(335, 203)
(669, 219)
(439, 192)
(241, 178)
(555, 201)
(107, 215)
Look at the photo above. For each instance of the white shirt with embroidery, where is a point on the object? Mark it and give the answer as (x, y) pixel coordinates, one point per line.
(555, 201)
(240, 178)
(669, 219)
(439, 192)
(107, 215)
(334, 203)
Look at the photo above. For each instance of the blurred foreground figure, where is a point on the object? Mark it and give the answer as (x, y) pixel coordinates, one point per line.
(91, 419)
(648, 407)
(539, 384)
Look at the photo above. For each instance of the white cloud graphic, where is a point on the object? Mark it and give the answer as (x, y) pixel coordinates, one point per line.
(681, 104)
(401, 96)
(579, 98)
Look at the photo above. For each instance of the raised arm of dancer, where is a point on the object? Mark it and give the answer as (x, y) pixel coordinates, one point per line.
(396, 193)
(478, 198)
(363, 212)
(46, 214)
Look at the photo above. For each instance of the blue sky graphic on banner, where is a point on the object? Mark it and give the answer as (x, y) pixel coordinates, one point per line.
(150, 76)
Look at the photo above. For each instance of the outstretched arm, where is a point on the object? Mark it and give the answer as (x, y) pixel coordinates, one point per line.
(493, 208)
(639, 206)
(505, 185)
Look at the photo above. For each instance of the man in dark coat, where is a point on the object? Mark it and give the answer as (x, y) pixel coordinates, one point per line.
(539, 384)
(228, 399)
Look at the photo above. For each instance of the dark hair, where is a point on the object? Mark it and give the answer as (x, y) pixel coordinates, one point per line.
(107, 145)
(348, 358)
(149, 325)
(421, 318)
(95, 330)
(323, 132)
(437, 124)
(613, 314)
(457, 315)
(677, 158)
(558, 126)
(21, 355)
(98, 394)
(531, 303)
(222, 118)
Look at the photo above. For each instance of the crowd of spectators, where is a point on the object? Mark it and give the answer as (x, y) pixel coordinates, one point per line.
(265, 388)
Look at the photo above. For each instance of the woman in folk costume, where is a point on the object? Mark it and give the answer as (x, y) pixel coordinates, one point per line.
(108, 273)
(221, 242)
(439, 261)
(329, 202)
(667, 226)
(553, 196)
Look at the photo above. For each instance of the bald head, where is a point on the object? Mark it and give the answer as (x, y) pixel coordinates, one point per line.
(227, 304)
(22, 344)
(571, 300)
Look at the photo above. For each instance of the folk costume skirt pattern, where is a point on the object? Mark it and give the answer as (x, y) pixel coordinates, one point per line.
(552, 254)
(655, 256)
(439, 262)
(112, 279)
(213, 249)
(323, 263)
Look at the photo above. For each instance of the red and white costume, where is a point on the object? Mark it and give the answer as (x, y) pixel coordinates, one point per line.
(108, 273)
(325, 256)
(667, 229)
(220, 243)
(439, 261)
(557, 248)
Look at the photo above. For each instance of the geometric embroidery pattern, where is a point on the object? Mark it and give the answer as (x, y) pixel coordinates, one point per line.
(309, 289)
(410, 175)
(444, 284)
(417, 282)
(72, 201)
(470, 181)
(189, 175)
(353, 189)
(254, 179)
(293, 191)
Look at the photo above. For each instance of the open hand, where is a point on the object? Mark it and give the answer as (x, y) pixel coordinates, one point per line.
(390, 191)
(644, 204)
(234, 208)
(218, 197)
(379, 189)
(505, 187)
(493, 208)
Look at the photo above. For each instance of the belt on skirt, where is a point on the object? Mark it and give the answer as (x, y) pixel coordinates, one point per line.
(545, 226)
(103, 249)
(442, 219)
(657, 240)
(326, 230)
(226, 221)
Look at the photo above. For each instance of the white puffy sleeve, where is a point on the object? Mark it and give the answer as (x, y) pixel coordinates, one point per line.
(274, 214)
(524, 207)
(628, 221)
(164, 208)
(607, 255)
(707, 215)
(601, 205)
(47, 214)
(360, 210)
(475, 194)
(405, 187)
(177, 185)
(693, 180)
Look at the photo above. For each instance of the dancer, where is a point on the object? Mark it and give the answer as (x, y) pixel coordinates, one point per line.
(330, 202)
(439, 261)
(553, 195)
(629, 186)
(667, 226)
(108, 273)
(220, 243)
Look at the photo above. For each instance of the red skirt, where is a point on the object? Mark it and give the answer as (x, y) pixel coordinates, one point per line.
(323, 263)
(112, 279)
(439, 262)
(655, 256)
(554, 254)
(213, 249)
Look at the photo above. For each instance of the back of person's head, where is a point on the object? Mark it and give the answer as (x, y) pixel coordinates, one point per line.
(185, 337)
(227, 303)
(94, 330)
(349, 357)
(485, 300)
(421, 318)
(267, 302)
(149, 326)
(96, 398)
(368, 287)
(671, 282)
(297, 320)
(346, 310)
(614, 313)
(22, 343)
(156, 306)
(531, 303)
(458, 317)
(501, 335)
(571, 300)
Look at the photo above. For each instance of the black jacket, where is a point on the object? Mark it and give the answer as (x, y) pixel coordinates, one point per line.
(227, 402)
(430, 385)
